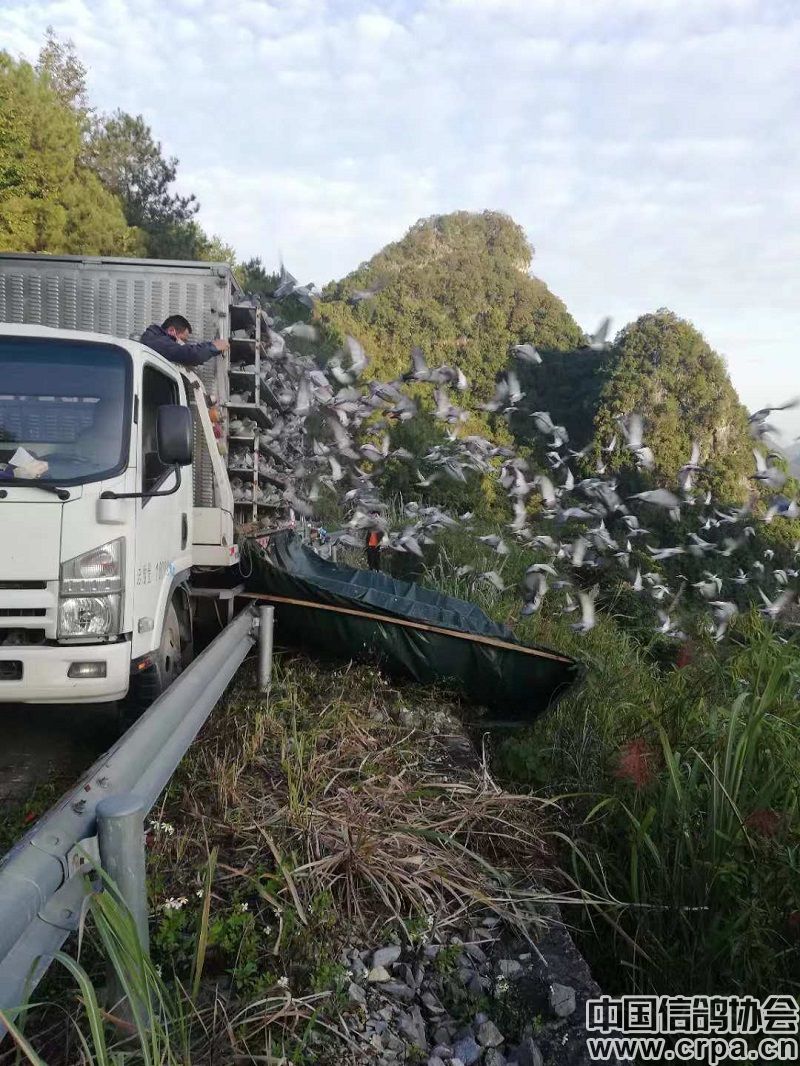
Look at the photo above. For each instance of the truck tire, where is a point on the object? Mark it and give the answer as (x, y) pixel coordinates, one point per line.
(169, 659)
(173, 655)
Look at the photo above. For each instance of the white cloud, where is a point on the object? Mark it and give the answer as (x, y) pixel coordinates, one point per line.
(649, 147)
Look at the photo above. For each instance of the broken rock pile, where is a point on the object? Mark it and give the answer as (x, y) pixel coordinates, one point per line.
(471, 997)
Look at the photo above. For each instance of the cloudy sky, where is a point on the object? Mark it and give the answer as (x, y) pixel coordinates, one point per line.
(650, 148)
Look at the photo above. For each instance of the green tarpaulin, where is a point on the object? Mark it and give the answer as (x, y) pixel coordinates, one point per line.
(351, 613)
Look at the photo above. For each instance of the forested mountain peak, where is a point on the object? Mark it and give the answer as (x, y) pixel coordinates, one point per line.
(461, 232)
(661, 368)
(458, 286)
(665, 370)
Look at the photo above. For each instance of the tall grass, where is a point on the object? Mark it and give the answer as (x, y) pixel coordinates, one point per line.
(698, 843)
(682, 786)
(148, 1024)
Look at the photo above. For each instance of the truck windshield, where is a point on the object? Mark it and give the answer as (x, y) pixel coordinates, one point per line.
(64, 410)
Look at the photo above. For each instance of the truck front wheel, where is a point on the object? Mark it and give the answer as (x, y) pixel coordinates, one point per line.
(169, 658)
(173, 655)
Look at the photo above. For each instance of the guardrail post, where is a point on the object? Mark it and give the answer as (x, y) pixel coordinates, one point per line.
(266, 618)
(120, 837)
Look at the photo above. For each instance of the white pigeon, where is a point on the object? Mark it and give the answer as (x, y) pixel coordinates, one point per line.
(526, 353)
(587, 621)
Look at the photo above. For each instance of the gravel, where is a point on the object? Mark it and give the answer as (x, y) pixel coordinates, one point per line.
(357, 994)
(467, 1049)
(489, 1035)
(384, 957)
(562, 1000)
(406, 1006)
(494, 1057)
(412, 1027)
(398, 990)
(509, 967)
(528, 1053)
(476, 953)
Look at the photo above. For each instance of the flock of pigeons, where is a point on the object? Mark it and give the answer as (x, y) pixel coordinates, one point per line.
(330, 427)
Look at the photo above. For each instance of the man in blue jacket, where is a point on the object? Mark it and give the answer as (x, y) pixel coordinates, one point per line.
(170, 339)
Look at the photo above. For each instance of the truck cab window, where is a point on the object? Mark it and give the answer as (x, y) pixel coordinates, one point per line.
(157, 389)
(64, 410)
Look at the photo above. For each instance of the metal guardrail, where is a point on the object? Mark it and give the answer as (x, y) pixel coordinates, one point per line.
(42, 890)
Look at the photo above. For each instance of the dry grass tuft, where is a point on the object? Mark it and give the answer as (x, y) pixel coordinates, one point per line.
(324, 787)
(339, 812)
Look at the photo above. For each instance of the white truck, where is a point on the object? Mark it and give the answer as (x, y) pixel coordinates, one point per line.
(117, 512)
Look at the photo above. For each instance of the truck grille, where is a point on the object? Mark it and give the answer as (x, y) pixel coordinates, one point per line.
(18, 636)
(28, 611)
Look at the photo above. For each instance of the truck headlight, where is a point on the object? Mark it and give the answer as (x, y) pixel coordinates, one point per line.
(89, 616)
(91, 592)
(99, 571)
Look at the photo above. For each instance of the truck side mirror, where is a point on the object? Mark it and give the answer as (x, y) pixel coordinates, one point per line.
(174, 434)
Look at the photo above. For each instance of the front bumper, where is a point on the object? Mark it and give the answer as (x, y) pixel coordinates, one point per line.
(44, 669)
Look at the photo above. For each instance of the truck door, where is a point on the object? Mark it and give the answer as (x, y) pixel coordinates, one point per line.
(163, 523)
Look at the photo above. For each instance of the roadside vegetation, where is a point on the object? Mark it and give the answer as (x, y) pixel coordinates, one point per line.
(657, 804)
(341, 811)
(678, 769)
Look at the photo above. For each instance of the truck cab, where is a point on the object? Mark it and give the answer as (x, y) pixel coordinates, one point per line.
(99, 532)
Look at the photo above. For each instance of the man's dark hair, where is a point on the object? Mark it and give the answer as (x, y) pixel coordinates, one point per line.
(177, 322)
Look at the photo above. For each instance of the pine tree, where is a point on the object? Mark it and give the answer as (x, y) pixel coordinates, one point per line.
(130, 163)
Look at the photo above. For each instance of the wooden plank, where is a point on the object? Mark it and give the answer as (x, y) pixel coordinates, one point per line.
(476, 638)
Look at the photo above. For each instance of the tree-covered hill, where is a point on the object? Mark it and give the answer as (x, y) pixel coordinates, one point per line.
(458, 286)
(663, 369)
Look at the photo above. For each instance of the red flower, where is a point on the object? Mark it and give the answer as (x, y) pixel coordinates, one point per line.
(765, 822)
(635, 762)
(685, 655)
